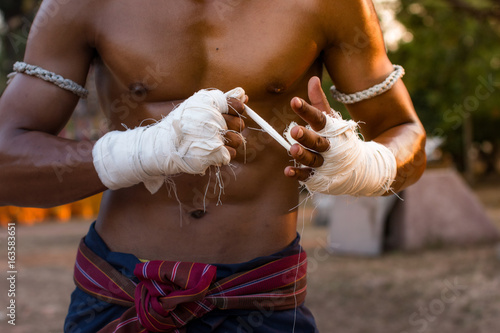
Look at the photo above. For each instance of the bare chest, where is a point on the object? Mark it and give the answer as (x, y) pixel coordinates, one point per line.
(170, 49)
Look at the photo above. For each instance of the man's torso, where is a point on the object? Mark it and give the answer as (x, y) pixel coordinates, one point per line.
(152, 54)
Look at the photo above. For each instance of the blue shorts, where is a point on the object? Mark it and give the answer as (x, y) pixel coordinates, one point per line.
(88, 314)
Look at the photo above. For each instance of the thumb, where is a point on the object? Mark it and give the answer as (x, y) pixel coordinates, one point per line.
(316, 95)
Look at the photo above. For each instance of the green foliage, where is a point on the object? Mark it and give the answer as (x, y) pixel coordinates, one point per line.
(18, 15)
(326, 83)
(453, 67)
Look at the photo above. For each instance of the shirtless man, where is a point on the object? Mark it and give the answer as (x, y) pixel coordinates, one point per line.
(148, 56)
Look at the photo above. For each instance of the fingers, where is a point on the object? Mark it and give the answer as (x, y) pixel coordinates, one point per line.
(316, 95)
(310, 139)
(306, 157)
(310, 159)
(234, 123)
(233, 118)
(235, 106)
(312, 113)
(232, 151)
(233, 139)
(300, 174)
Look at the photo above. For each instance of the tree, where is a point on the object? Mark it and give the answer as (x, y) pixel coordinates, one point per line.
(487, 9)
(453, 66)
(18, 16)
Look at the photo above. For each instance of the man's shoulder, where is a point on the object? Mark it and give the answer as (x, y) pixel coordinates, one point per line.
(343, 10)
(60, 24)
(68, 11)
(343, 19)
(334, 6)
(56, 6)
(66, 18)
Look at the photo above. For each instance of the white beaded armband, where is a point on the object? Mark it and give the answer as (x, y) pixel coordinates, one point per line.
(371, 92)
(58, 80)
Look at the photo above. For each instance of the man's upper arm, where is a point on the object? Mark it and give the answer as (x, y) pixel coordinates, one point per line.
(58, 42)
(356, 59)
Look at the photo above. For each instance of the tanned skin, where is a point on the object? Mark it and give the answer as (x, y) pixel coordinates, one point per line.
(150, 55)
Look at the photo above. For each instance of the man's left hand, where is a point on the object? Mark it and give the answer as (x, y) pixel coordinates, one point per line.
(311, 144)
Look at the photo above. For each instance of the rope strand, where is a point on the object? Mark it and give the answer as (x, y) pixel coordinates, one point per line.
(58, 80)
(371, 92)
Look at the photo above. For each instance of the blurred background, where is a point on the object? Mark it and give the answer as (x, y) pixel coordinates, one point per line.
(430, 263)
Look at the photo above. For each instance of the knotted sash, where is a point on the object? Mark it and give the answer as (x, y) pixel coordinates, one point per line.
(170, 294)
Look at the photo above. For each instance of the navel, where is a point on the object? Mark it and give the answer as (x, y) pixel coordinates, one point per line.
(198, 214)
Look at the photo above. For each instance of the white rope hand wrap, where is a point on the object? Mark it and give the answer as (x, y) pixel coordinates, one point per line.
(188, 140)
(351, 166)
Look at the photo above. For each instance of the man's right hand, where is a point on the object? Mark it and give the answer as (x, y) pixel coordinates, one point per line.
(202, 131)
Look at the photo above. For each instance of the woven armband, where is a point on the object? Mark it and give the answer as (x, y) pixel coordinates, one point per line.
(371, 92)
(58, 80)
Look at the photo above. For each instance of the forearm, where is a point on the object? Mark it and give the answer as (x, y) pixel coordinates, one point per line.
(407, 142)
(390, 119)
(42, 170)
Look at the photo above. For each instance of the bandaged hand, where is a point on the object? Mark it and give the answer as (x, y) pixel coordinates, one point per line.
(197, 134)
(333, 158)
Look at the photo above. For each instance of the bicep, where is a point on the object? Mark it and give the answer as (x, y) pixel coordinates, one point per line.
(357, 60)
(59, 45)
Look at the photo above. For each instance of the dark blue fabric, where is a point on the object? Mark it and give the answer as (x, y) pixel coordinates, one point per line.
(87, 314)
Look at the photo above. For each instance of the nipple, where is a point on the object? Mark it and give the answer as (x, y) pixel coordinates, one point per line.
(138, 89)
(276, 88)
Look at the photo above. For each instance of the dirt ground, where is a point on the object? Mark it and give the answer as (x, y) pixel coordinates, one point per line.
(441, 290)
